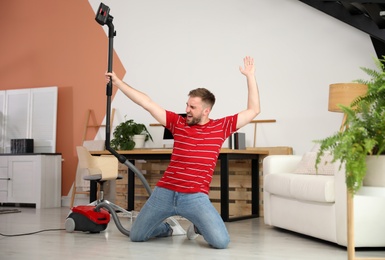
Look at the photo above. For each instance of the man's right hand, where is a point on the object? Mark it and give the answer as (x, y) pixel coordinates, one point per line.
(112, 76)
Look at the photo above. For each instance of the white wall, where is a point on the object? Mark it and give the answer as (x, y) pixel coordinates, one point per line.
(169, 47)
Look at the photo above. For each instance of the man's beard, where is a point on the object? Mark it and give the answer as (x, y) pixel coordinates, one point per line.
(193, 121)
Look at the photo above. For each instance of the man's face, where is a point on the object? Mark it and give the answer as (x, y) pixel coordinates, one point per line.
(195, 110)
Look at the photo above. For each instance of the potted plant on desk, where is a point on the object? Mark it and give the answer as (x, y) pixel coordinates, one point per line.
(129, 135)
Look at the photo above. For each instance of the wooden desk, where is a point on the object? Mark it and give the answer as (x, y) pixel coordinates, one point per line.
(224, 157)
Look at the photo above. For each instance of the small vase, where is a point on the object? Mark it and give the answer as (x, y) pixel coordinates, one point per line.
(139, 140)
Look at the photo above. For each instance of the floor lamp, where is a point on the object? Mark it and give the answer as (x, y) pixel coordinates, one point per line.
(344, 94)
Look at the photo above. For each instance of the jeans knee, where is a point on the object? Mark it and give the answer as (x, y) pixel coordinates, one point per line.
(221, 243)
(135, 236)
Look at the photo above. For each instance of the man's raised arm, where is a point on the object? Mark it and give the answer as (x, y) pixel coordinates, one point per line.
(253, 104)
(139, 98)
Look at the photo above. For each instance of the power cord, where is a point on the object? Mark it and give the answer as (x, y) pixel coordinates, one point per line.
(32, 233)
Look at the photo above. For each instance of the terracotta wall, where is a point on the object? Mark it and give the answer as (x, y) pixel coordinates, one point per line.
(58, 43)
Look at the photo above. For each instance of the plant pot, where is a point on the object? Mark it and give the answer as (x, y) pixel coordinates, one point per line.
(139, 140)
(375, 171)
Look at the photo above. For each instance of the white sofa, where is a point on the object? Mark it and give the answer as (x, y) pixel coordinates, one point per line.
(315, 205)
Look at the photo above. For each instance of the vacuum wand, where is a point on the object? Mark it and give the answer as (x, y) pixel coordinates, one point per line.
(96, 218)
(90, 218)
(103, 17)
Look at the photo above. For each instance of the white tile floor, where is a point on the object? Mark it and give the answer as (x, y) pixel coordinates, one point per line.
(250, 239)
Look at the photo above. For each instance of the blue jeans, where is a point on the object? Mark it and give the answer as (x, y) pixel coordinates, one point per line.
(196, 207)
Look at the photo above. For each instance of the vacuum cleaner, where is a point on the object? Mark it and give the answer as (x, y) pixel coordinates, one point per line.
(87, 219)
(90, 218)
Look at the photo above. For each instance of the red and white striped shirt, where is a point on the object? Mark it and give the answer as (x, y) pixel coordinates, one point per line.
(195, 152)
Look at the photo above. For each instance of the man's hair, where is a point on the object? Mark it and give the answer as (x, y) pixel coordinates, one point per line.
(206, 96)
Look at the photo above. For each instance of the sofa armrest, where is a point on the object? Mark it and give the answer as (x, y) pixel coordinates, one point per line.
(280, 163)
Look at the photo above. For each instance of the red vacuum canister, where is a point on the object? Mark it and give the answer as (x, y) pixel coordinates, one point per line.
(87, 219)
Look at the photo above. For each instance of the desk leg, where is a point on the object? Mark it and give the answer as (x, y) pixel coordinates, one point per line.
(255, 187)
(131, 189)
(225, 188)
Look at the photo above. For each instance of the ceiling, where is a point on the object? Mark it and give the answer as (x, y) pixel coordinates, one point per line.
(367, 16)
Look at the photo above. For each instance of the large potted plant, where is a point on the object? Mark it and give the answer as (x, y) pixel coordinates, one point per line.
(364, 132)
(126, 133)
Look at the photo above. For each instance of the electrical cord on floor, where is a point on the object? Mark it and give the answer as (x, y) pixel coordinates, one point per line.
(32, 233)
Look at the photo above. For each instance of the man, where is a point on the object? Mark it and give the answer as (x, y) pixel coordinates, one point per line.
(184, 187)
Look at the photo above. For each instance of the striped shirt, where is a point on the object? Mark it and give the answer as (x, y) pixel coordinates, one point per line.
(195, 152)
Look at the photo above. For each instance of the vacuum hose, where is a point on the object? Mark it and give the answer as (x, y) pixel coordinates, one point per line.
(137, 172)
(114, 216)
(139, 175)
(122, 159)
(112, 210)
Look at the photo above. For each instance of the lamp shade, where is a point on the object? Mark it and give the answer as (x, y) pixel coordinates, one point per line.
(344, 94)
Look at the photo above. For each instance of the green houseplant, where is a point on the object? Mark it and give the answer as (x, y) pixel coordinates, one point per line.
(125, 132)
(364, 130)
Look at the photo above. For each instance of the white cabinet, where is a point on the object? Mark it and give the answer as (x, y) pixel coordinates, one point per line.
(3, 178)
(34, 179)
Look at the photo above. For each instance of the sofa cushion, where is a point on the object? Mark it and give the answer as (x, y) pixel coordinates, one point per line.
(307, 164)
(318, 188)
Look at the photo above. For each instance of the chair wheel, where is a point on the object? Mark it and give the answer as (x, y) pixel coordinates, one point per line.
(70, 225)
